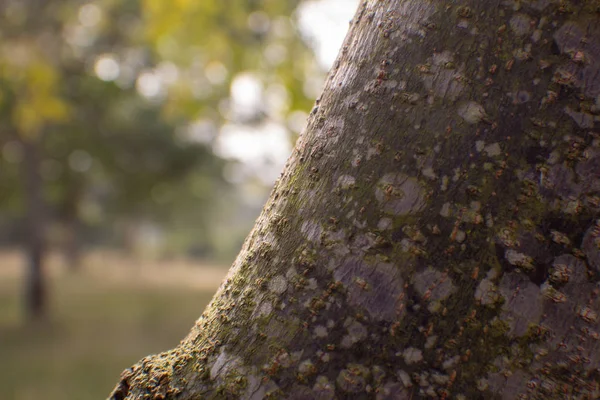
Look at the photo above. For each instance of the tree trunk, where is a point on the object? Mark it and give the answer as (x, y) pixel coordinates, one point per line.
(72, 245)
(35, 288)
(435, 233)
(72, 226)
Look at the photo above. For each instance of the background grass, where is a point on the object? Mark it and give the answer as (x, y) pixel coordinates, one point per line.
(101, 320)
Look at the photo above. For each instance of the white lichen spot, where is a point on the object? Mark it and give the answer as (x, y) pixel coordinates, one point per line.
(554, 157)
(588, 314)
(434, 307)
(258, 387)
(346, 181)
(320, 331)
(472, 112)
(457, 174)
(306, 367)
(518, 259)
(463, 23)
(278, 284)
(384, 224)
(550, 293)
(459, 236)
(372, 151)
(573, 207)
(364, 242)
(406, 245)
(440, 379)
(479, 145)
(284, 359)
(482, 384)
(489, 220)
(311, 230)
(444, 185)
(291, 273)
(323, 388)
(429, 173)
(312, 284)
(446, 210)
(296, 356)
(430, 342)
(359, 225)
(356, 333)
(404, 378)
(487, 292)
(265, 308)
(450, 362)
(493, 150)
(412, 355)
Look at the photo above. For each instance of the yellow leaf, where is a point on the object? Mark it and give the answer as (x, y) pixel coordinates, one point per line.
(53, 109)
(41, 77)
(26, 119)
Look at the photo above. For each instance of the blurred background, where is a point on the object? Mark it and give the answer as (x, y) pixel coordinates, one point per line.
(139, 140)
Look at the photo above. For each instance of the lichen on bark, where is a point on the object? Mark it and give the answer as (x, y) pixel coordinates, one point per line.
(435, 233)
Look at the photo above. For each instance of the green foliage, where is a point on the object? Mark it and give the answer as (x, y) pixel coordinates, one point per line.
(107, 90)
(98, 327)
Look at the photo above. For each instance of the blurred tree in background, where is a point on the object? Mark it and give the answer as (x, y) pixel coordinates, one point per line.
(118, 118)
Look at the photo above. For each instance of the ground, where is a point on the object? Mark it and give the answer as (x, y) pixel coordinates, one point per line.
(102, 320)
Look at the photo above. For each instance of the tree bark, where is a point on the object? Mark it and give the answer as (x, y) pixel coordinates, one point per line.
(435, 233)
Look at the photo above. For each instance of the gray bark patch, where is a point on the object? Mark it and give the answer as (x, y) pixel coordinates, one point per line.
(323, 388)
(520, 24)
(471, 112)
(583, 120)
(573, 267)
(400, 194)
(588, 171)
(376, 288)
(523, 303)
(393, 391)
(434, 284)
(487, 292)
(353, 379)
(591, 246)
(442, 80)
(311, 230)
(581, 41)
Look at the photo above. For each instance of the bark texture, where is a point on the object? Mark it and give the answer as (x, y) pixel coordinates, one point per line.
(436, 231)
